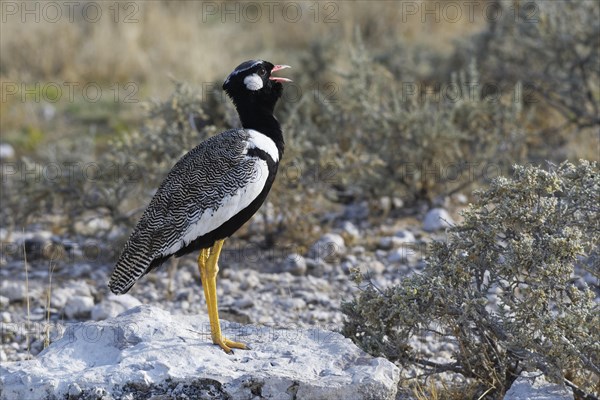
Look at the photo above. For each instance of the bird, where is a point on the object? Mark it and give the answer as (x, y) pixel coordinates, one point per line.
(212, 191)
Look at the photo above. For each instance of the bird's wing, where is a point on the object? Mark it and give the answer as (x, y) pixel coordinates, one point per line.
(207, 186)
(204, 189)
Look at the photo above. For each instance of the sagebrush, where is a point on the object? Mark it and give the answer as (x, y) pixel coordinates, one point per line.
(500, 291)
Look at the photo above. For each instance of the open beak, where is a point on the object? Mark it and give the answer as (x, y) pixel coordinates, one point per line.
(277, 78)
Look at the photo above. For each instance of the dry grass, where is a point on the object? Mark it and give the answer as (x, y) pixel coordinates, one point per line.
(27, 303)
(438, 389)
(185, 41)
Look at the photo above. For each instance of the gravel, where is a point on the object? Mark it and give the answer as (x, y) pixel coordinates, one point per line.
(300, 289)
(437, 219)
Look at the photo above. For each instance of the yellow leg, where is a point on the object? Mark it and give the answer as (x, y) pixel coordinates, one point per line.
(207, 264)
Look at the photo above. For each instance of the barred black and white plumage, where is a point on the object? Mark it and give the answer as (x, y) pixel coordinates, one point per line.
(218, 179)
(216, 187)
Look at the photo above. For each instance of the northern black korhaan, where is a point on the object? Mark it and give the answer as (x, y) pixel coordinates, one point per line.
(212, 190)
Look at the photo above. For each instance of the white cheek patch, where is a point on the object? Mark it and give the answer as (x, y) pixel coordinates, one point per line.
(253, 82)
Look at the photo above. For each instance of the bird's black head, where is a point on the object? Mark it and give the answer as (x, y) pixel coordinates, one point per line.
(252, 86)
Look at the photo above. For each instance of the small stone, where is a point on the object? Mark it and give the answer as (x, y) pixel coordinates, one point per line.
(317, 267)
(7, 152)
(92, 225)
(350, 229)
(5, 317)
(373, 267)
(113, 305)
(60, 296)
(356, 211)
(386, 243)
(249, 279)
(79, 306)
(397, 202)
(74, 390)
(385, 203)
(347, 266)
(400, 255)
(295, 264)
(460, 198)
(291, 304)
(358, 250)
(436, 219)
(243, 303)
(400, 239)
(405, 236)
(40, 246)
(533, 385)
(13, 290)
(329, 247)
(48, 111)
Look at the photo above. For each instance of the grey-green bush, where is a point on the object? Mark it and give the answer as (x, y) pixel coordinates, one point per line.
(500, 289)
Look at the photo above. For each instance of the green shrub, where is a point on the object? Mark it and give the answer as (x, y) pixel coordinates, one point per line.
(500, 289)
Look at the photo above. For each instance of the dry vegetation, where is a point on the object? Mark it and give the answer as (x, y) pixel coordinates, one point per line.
(383, 104)
(500, 289)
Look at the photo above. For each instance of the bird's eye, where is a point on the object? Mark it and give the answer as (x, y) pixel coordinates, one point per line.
(262, 71)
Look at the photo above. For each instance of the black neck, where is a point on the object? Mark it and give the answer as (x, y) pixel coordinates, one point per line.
(263, 121)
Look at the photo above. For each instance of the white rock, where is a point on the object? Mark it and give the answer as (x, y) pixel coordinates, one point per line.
(113, 305)
(249, 279)
(6, 151)
(436, 219)
(401, 255)
(243, 303)
(317, 267)
(405, 236)
(74, 390)
(385, 203)
(372, 267)
(386, 242)
(295, 264)
(460, 198)
(356, 211)
(167, 355)
(92, 225)
(397, 202)
(291, 303)
(5, 317)
(329, 247)
(358, 250)
(533, 386)
(13, 290)
(48, 111)
(350, 229)
(61, 295)
(401, 238)
(78, 306)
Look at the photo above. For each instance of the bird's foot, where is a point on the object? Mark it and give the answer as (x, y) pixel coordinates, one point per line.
(227, 344)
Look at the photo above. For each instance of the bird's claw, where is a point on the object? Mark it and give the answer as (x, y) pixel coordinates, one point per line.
(227, 345)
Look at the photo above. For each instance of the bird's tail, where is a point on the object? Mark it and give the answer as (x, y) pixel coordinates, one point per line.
(132, 265)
